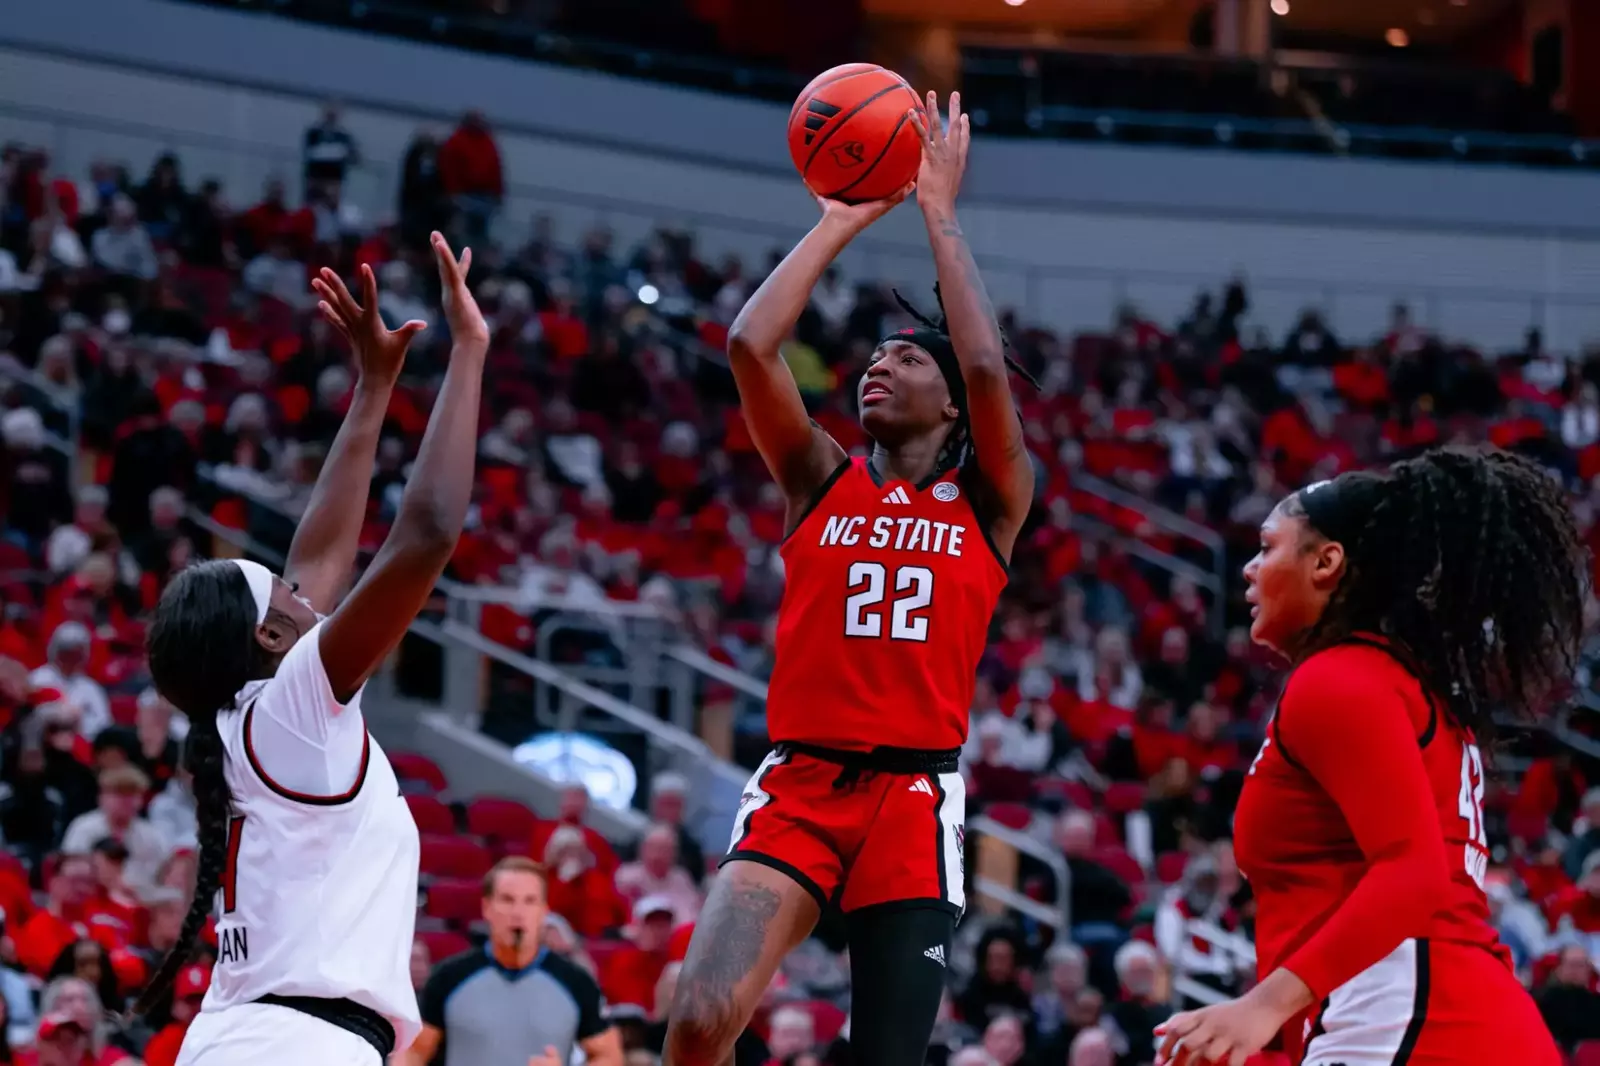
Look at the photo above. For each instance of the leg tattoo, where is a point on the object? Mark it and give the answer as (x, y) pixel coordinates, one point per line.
(707, 1015)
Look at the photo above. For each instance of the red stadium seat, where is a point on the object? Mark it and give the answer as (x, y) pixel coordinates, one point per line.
(455, 900)
(1119, 862)
(451, 856)
(1107, 830)
(1527, 825)
(499, 819)
(431, 815)
(1170, 866)
(826, 1018)
(414, 769)
(1587, 1054)
(602, 951)
(1010, 815)
(1073, 793)
(443, 943)
(1125, 797)
(124, 708)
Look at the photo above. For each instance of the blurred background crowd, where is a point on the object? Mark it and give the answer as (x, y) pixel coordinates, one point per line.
(168, 394)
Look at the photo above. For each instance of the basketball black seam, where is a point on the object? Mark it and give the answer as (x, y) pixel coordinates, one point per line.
(888, 144)
(834, 81)
(846, 117)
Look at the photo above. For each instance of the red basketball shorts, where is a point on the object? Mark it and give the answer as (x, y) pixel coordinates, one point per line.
(881, 838)
(1430, 1003)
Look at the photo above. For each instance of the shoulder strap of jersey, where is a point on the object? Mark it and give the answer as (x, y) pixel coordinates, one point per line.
(822, 490)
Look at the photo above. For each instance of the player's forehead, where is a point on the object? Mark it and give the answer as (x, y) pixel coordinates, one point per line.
(896, 346)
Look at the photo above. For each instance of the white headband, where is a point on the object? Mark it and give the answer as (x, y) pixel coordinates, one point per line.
(261, 582)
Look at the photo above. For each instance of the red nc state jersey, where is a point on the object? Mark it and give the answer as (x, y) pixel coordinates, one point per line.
(1301, 848)
(890, 589)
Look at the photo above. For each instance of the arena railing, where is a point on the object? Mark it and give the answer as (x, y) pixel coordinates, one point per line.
(1213, 580)
(1238, 950)
(1057, 914)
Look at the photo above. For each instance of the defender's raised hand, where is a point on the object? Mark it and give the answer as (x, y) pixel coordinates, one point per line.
(380, 351)
(460, 309)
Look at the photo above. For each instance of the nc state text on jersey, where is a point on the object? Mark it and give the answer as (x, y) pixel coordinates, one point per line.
(897, 534)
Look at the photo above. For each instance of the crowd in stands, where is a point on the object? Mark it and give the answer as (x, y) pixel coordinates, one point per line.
(163, 362)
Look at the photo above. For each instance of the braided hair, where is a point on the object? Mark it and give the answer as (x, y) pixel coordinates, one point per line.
(203, 650)
(1469, 562)
(933, 336)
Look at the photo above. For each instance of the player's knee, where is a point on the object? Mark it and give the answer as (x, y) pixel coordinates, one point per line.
(702, 1027)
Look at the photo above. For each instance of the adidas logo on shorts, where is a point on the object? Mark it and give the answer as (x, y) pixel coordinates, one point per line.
(936, 953)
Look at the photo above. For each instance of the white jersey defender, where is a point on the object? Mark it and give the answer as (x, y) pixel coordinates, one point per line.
(319, 895)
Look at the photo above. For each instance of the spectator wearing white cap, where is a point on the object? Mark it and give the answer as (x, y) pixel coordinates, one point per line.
(66, 669)
(657, 874)
(71, 543)
(669, 795)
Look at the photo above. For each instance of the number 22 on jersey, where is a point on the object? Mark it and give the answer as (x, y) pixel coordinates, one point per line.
(1469, 804)
(869, 587)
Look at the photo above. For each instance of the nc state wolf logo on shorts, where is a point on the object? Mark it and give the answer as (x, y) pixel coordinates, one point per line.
(961, 844)
(849, 154)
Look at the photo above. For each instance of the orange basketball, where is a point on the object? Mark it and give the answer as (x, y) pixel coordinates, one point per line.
(851, 135)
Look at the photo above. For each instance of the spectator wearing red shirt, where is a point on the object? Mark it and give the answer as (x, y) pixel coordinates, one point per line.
(632, 974)
(61, 921)
(580, 891)
(188, 991)
(469, 170)
(574, 805)
(1578, 907)
(658, 875)
(114, 902)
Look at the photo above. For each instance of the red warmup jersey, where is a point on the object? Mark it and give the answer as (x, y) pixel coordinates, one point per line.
(890, 589)
(1362, 792)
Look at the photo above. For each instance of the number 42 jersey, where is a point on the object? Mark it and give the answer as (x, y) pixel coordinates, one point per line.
(890, 587)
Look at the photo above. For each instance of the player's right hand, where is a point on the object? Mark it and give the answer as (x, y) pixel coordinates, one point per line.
(549, 1058)
(859, 216)
(380, 351)
(460, 308)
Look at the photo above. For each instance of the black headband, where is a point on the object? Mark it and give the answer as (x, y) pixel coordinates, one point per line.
(1332, 509)
(936, 343)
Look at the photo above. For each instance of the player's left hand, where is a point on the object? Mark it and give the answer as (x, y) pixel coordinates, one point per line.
(944, 152)
(550, 1058)
(1225, 1035)
(380, 351)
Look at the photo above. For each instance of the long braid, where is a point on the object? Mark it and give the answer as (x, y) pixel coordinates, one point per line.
(1470, 562)
(203, 754)
(203, 650)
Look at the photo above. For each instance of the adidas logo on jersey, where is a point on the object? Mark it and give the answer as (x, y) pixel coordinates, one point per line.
(899, 495)
(936, 953)
(921, 785)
